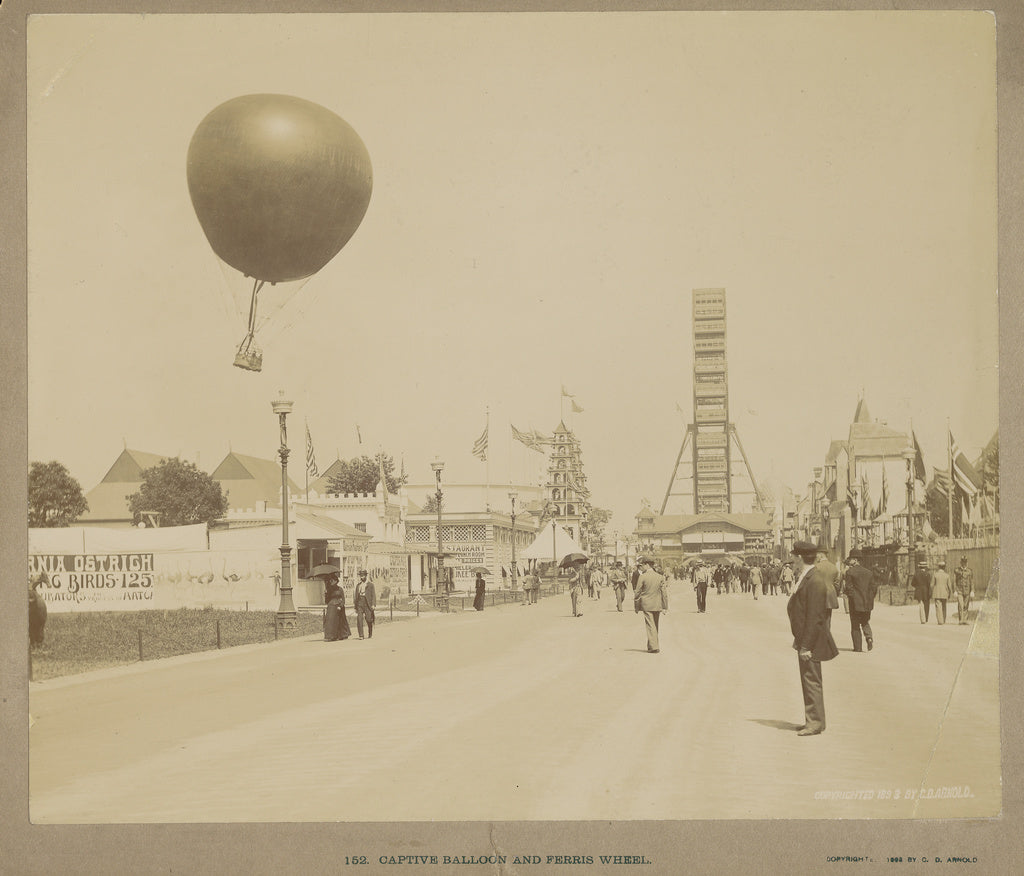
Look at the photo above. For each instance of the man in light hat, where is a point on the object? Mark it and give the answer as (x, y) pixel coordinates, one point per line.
(363, 601)
(860, 588)
(940, 591)
(922, 583)
(809, 621)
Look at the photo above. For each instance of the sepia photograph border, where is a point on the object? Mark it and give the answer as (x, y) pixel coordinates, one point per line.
(781, 845)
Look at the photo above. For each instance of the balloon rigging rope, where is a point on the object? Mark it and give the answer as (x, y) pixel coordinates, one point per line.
(256, 286)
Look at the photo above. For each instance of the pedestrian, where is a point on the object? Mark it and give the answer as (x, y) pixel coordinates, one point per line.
(831, 573)
(575, 588)
(940, 591)
(36, 608)
(588, 577)
(859, 587)
(618, 581)
(534, 586)
(773, 578)
(700, 586)
(598, 579)
(922, 582)
(964, 583)
(809, 620)
(756, 581)
(336, 628)
(481, 589)
(363, 601)
(786, 578)
(652, 599)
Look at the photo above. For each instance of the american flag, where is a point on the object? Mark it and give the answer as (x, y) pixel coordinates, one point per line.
(530, 439)
(480, 446)
(310, 457)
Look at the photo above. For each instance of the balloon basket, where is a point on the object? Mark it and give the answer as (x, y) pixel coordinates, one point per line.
(249, 355)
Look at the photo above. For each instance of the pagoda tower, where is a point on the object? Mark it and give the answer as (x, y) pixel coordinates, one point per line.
(566, 488)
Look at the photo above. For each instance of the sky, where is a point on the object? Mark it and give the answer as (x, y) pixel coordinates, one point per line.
(548, 190)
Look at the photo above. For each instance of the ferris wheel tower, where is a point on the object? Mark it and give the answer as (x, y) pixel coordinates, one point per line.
(705, 476)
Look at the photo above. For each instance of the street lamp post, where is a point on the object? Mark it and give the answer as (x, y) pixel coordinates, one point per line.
(286, 615)
(438, 466)
(512, 495)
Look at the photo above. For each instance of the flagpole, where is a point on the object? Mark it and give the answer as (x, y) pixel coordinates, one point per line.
(487, 459)
(949, 492)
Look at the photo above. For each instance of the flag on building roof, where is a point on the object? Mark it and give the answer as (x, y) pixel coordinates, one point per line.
(540, 437)
(566, 393)
(576, 409)
(480, 445)
(310, 456)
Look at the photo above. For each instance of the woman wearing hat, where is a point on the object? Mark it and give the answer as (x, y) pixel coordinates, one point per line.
(481, 589)
(336, 628)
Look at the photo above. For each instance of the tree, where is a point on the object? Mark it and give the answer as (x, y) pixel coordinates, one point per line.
(54, 497)
(989, 469)
(430, 505)
(597, 520)
(180, 493)
(361, 474)
(937, 505)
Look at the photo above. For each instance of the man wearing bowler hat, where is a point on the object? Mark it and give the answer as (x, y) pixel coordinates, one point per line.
(860, 587)
(809, 620)
(363, 600)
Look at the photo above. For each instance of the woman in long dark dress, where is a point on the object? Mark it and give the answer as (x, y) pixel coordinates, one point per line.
(336, 626)
(481, 587)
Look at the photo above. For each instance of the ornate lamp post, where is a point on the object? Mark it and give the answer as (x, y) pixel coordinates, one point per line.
(286, 615)
(512, 495)
(438, 466)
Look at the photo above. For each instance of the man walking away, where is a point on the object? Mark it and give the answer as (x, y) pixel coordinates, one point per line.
(860, 586)
(756, 580)
(652, 599)
(940, 591)
(964, 582)
(922, 582)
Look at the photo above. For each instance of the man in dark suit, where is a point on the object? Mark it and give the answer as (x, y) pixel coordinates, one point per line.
(922, 583)
(363, 601)
(652, 599)
(809, 620)
(860, 587)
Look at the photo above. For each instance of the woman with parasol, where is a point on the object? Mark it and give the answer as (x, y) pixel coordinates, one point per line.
(336, 626)
(575, 563)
